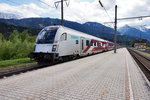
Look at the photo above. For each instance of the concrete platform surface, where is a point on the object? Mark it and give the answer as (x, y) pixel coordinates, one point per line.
(105, 76)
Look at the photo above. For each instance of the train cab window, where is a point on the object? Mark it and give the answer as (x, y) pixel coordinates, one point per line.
(77, 41)
(87, 42)
(63, 37)
(47, 35)
(94, 43)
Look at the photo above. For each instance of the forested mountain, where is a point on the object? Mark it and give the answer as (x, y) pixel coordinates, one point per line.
(6, 29)
(137, 32)
(93, 28)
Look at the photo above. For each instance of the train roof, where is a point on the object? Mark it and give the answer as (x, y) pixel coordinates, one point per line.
(75, 32)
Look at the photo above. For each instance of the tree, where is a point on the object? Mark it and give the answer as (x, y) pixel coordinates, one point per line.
(24, 35)
(32, 39)
(132, 43)
(1, 37)
(14, 36)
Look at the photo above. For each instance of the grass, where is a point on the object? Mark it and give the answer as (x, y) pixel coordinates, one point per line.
(13, 62)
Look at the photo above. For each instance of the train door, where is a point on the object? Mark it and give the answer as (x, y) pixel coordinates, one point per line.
(82, 45)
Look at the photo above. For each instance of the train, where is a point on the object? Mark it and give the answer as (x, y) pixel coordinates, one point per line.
(59, 43)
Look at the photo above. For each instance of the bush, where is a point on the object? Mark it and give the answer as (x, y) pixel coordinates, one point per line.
(19, 45)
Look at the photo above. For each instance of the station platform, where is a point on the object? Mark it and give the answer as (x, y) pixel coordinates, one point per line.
(105, 76)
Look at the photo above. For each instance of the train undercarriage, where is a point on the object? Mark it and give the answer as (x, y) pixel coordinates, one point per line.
(51, 58)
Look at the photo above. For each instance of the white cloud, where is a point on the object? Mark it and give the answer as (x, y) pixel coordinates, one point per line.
(24, 10)
(83, 11)
(133, 8)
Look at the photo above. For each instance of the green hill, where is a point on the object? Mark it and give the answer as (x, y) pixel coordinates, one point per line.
(6, 29)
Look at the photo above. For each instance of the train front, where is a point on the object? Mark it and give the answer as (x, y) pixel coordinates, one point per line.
(46, 46)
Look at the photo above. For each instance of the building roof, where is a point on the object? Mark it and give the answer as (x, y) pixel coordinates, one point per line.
(140, 41)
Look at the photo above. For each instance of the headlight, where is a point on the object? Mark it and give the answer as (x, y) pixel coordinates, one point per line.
(54, 48)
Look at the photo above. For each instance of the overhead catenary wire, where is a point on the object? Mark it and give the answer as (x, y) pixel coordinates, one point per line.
(138, 17)
(105, 10)
(46, 4)
(107, 13)
(109, 24)
(129, 18)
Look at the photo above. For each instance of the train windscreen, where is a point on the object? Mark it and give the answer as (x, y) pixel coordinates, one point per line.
(46, 36)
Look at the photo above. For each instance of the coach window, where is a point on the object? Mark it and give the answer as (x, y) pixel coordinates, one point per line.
(98, 44)
(77, 42)
(91, 43)
(104, 45)
(63, 37)
(87, 42)
(94, 43)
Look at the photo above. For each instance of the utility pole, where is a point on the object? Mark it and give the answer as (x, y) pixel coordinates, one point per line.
(115, 39)
(115, 26)
(62, 9)
(62, 13)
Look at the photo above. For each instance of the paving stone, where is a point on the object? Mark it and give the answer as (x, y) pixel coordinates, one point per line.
(98, 77)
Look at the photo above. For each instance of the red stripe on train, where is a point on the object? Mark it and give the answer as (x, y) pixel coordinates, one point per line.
(97, 48)
(87, 49)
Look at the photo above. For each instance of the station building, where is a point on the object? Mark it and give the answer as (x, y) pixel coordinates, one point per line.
(140, 43)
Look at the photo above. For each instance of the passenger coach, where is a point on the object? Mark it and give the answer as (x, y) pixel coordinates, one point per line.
(55, 43)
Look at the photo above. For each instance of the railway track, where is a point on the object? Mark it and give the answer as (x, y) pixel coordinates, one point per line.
(142, 61)
(18, 70)
(13, 71)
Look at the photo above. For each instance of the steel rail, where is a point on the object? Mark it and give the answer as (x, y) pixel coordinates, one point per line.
(132, 51)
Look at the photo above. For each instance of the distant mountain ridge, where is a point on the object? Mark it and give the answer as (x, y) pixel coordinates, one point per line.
(141, 28)
(9, 16)
(92, 28)
(137, 32)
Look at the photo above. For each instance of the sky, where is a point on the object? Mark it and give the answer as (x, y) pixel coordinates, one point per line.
(82, 10)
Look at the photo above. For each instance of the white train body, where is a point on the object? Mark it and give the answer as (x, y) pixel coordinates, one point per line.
(57, 42)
